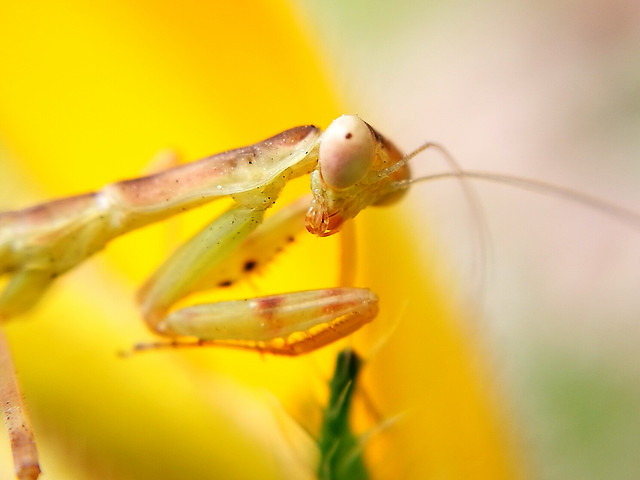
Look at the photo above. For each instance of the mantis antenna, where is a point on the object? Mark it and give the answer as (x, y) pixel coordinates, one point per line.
(624, 214)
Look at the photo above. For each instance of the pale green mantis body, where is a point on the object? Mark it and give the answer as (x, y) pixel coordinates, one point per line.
(40, 243)
(351, 167)
(360, 168)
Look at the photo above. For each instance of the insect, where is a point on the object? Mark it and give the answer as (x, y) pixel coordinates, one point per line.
(351, 167)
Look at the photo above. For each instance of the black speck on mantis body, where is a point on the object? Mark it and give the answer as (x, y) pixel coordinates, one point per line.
(351, 167)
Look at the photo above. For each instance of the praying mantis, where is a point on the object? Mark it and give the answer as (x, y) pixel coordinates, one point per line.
(351, 167)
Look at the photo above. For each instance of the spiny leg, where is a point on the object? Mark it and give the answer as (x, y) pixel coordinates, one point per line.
(260, 247)
(16, 418)
(181, 273)
(286, 324)
(23, 290)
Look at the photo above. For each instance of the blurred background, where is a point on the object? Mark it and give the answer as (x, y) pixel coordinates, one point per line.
(517, 362)
(548, 91)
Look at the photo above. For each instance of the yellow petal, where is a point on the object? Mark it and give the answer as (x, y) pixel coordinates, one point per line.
(88, 94)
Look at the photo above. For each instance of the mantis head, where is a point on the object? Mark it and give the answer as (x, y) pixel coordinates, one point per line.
(357, 167)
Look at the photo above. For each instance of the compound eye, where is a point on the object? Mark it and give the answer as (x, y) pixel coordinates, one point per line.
(346, 152)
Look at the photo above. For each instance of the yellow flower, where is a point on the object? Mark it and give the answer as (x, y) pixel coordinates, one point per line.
(88, 94)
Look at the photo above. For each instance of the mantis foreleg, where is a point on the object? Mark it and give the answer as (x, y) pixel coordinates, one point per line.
(233, 245)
